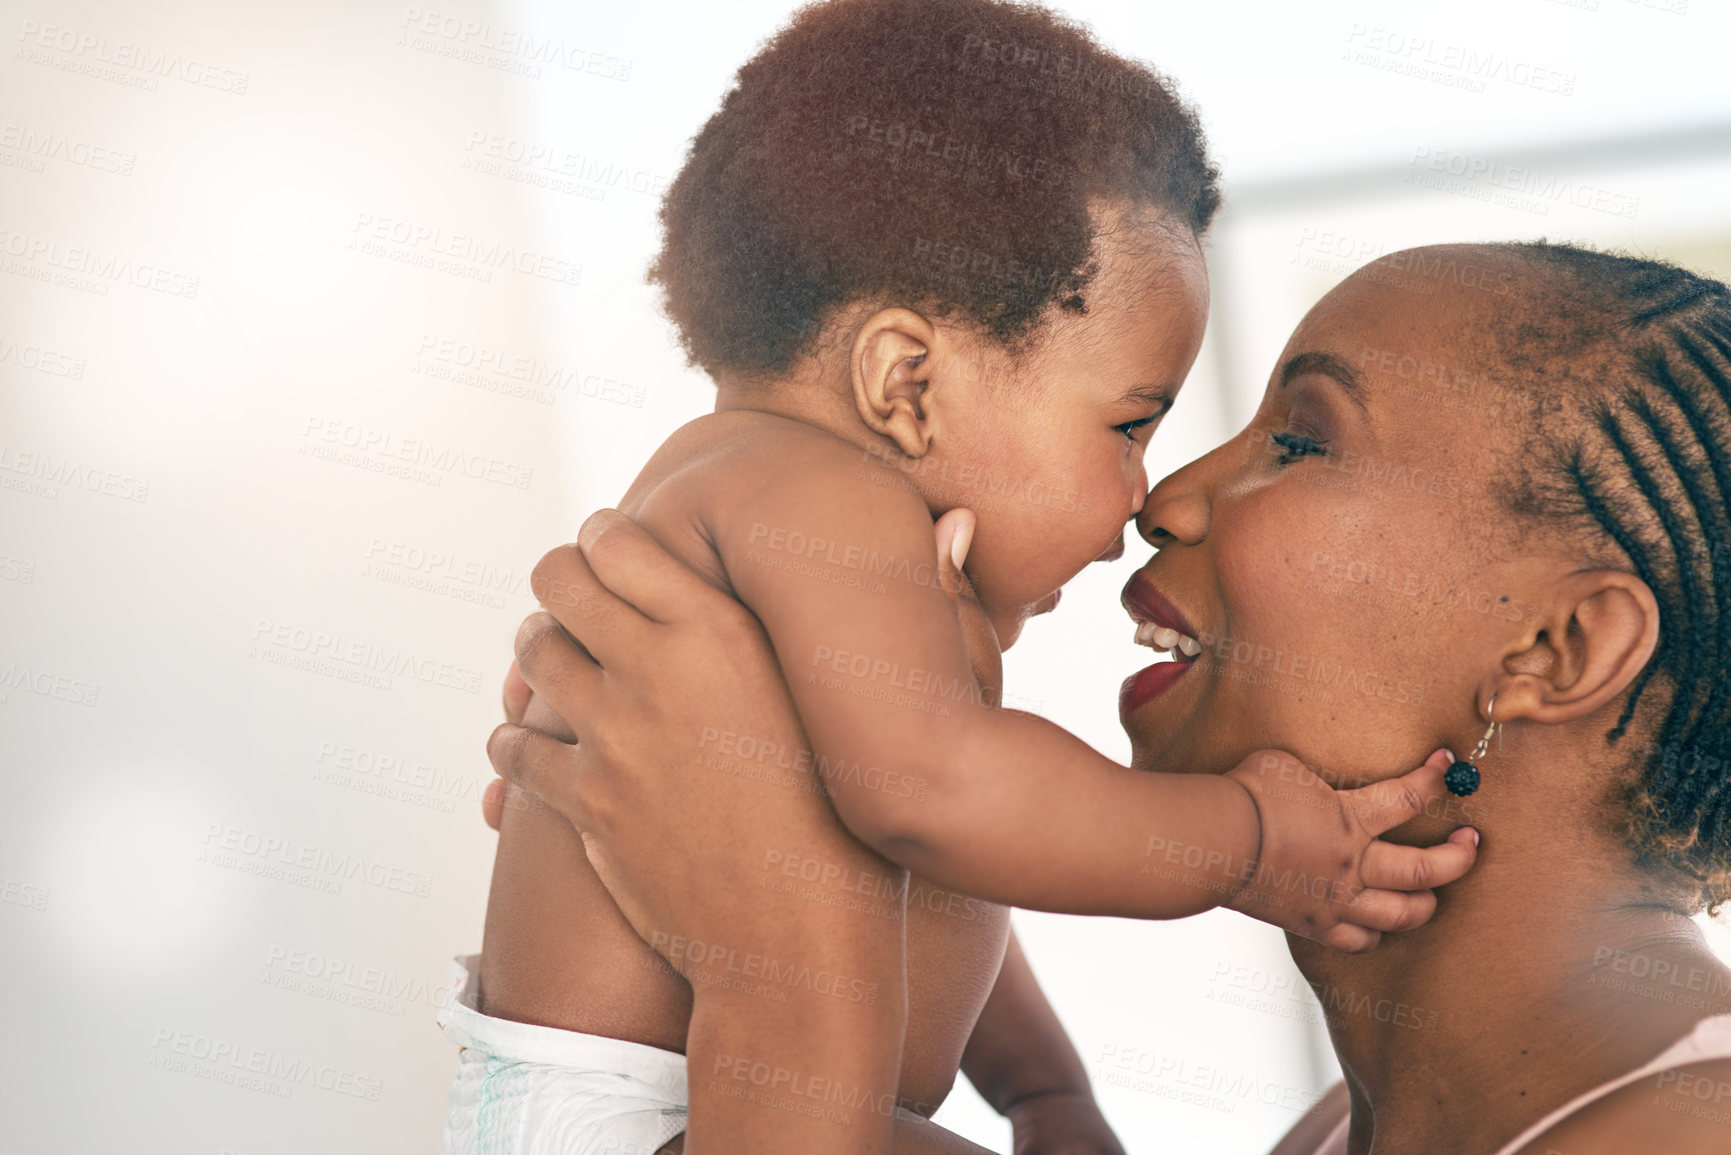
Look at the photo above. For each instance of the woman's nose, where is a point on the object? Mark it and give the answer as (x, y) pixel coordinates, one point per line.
(1177, 509)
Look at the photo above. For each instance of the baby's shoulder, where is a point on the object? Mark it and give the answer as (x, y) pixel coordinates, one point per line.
(740, 463)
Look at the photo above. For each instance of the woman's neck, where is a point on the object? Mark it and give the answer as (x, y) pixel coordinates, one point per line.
(1539, 977)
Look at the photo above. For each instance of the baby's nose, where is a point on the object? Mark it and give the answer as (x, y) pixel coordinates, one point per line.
(1113, 551)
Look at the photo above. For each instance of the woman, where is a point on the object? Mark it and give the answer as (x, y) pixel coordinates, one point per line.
(1546, 444)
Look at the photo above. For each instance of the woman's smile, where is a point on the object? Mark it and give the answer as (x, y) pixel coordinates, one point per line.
(1161, 626)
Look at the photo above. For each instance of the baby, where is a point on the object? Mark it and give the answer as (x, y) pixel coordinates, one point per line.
(934, 254)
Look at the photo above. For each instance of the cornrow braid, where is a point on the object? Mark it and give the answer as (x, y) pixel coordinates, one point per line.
(1644, 462)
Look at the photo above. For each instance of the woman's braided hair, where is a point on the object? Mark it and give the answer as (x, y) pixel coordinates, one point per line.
(1642, 462)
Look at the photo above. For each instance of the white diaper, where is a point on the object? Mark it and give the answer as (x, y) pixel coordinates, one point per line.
(522, 1089)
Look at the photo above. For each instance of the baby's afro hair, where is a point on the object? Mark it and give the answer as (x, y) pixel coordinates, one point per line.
(938, 154)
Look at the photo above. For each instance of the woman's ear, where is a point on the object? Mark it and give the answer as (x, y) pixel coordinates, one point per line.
(1594, 634)
(891, 372)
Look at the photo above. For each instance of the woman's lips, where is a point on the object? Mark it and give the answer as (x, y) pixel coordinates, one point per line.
(1145, 685)
(1144, 603)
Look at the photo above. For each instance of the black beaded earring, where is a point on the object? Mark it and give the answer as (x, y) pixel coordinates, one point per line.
(1463, 777)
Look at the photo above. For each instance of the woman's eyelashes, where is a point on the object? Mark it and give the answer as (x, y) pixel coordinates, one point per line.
(1296, 445)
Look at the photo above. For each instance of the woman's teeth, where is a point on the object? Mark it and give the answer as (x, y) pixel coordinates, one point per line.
(1159, 637)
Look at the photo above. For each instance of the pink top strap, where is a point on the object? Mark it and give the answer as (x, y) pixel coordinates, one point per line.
(1711, 1039)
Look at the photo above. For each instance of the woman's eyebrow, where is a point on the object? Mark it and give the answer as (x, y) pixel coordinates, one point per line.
(1328, 365)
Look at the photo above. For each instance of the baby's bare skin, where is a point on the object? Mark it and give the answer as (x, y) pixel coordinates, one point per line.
(556, 949)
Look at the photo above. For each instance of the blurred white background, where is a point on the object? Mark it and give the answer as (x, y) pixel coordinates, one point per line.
(319, 323)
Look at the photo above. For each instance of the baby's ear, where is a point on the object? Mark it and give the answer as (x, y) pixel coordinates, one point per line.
(889, 372)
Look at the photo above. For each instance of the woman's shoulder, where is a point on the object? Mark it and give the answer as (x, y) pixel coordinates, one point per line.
(1681, 1111)
(1680, 1103)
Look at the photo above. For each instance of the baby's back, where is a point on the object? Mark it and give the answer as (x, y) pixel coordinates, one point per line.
(558, 952)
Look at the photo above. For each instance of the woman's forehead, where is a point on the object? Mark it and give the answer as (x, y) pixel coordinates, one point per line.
(1395, 311)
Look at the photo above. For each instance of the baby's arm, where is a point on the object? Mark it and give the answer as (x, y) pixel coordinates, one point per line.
(1004, 805)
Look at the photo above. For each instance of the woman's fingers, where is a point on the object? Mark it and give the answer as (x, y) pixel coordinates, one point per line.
(535, 762)
(493, 802)
(1391, 867)
(590, 612)
(634, 567)
(516, 694)
(556, 668)
(1384, 805)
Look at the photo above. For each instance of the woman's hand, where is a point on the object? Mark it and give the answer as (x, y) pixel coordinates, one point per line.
(516, 698)
(686, 740)
(681, 714)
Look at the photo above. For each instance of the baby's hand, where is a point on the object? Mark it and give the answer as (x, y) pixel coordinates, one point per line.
(1322, 871)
